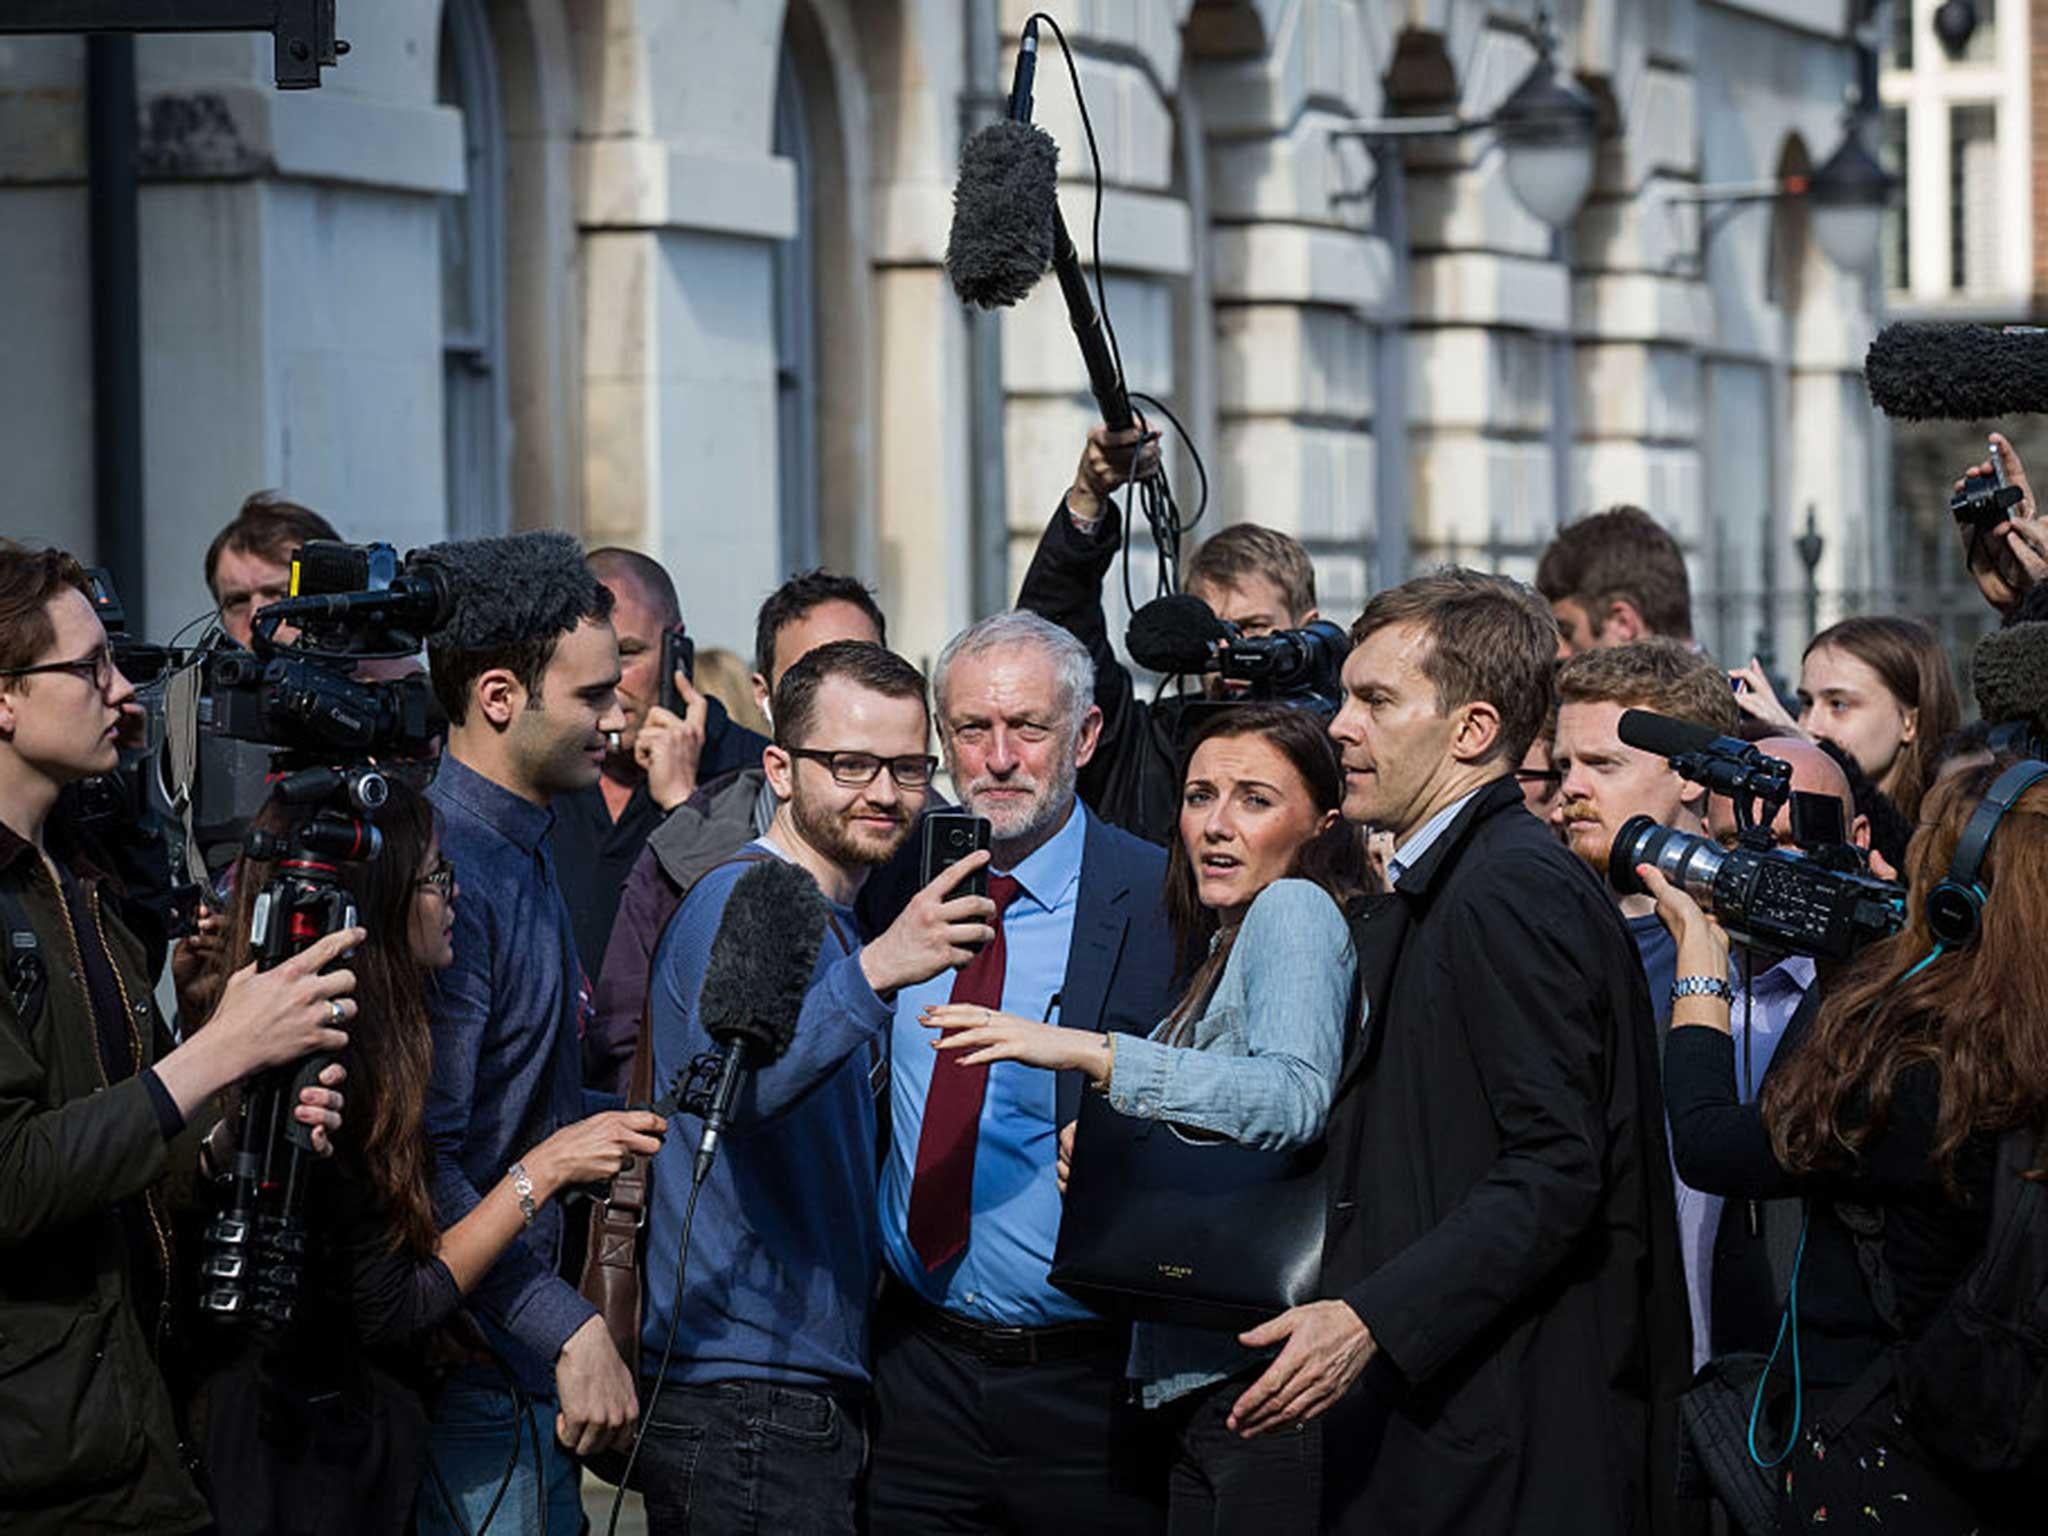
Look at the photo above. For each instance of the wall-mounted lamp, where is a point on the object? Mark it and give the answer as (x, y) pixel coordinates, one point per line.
(1547, 127)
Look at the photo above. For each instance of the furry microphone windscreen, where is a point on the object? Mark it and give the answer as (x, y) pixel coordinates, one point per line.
(1922, 371)
(1174, 634)
(2009, 668)
(1003, 207)
(516, 588)
(761, 959)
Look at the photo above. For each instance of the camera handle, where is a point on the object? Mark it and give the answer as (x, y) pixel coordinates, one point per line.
(255, 1249)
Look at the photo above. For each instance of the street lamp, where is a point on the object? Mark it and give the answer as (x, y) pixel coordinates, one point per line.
(1848, 196)
(1547, 127)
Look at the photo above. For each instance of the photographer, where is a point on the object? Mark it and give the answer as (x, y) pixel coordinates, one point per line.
(1889, 1101)
(95, 1101)
(249, 562)
(2009, 558)
(1256, 578)
(285, 1419)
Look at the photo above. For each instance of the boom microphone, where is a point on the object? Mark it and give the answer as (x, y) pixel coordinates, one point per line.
(1175, 634)
(754, 981)
(1921, 371)
(2009, 676)
(1007, 229)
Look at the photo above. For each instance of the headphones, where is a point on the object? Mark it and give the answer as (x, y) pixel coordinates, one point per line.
(1955, 907)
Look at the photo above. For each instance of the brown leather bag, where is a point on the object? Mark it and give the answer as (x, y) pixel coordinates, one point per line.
(618, 1226)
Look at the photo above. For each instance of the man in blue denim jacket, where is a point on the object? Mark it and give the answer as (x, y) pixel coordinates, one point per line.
(529, 680)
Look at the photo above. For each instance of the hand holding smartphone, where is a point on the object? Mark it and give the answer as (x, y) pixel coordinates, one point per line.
(949, 837)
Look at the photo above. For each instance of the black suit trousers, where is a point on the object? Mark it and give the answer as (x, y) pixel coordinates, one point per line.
(965, 1446)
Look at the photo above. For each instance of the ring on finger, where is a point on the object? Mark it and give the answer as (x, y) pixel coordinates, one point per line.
(334, 1012)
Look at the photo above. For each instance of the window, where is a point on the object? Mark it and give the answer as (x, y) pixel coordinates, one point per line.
(1901, 50)
(1982, 48)
(476, 435)
(1973, 214)
(796, 338)
(1898, 269)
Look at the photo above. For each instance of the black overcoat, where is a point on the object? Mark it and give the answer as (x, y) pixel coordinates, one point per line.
(1501, 1204)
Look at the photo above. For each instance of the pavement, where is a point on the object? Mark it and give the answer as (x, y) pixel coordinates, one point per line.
(597, 1507)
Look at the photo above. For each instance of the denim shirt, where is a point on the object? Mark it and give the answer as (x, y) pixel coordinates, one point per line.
(506, 1074)
(1261, 1067)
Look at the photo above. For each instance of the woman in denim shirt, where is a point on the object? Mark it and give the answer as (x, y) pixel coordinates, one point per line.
(1257, 886)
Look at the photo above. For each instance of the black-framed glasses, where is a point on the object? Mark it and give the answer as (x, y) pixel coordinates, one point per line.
(440, 879)
(96, 669)
(854, 770)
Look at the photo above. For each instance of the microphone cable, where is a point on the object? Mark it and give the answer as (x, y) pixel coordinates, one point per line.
(1152, 496)
(668, 1350)
(522, 1421)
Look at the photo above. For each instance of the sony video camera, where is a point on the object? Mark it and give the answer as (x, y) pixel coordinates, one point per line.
(1818, 900)
(335, 735)
(351, 603)
(1179, 635)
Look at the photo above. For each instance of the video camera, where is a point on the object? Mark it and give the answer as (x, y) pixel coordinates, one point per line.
(334, 735)
(1819, 900)
(1180, 635)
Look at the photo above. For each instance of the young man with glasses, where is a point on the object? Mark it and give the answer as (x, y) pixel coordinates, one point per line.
(95, 1101)
(760, 1418)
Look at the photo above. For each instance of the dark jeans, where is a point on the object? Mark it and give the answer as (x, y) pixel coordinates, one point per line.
(1224, 1485)
(732, 1458)
(1047, 1449)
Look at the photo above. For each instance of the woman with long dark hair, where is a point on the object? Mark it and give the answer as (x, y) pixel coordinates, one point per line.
(1920, 1056)
(322, 1427)
(1258, 885)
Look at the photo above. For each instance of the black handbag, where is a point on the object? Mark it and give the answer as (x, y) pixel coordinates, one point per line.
(1166, 1224)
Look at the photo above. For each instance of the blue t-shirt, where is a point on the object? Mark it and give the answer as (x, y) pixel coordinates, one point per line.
(783, 1253)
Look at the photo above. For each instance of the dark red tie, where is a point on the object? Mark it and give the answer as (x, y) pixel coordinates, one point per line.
(942, 1188)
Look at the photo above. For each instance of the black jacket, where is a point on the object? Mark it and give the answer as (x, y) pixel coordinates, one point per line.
(1502, 1213)
(1133, 781)
(88, 1440)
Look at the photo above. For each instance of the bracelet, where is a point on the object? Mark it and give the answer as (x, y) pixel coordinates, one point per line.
(522, 1187)
(1703, 986)
(1109, 1072)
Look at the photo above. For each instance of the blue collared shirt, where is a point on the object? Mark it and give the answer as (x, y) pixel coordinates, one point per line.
(1424, 837)
(1766, 1013)
(1001, 1278)
(506, 1072)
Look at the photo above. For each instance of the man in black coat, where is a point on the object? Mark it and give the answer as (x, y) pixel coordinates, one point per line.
(1507, 1331)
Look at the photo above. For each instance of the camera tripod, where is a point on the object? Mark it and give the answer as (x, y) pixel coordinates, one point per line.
(255, 1249)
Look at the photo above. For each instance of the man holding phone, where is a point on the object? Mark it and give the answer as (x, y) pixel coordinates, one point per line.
(772, 1315)
(983, 1370)
(654, 764)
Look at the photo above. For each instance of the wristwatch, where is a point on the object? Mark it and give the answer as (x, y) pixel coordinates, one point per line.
(1703, 986)
(522, 1186)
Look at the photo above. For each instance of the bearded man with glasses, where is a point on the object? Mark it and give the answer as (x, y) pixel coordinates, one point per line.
(761, 1417)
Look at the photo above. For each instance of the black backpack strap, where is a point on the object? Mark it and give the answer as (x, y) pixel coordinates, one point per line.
(28, 977)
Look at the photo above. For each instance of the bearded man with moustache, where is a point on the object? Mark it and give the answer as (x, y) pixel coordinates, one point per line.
(1605, 783)
(999, 1400)
(760, 1424)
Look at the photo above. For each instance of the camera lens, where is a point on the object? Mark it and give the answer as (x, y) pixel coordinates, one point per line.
(1688, 861)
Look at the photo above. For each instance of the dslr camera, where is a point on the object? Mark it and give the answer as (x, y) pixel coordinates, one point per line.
(1818, 899)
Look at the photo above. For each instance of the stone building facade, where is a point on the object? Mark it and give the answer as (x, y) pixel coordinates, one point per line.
(668, 272)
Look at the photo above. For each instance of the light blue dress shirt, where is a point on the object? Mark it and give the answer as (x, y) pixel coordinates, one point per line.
(1001, 1278)
(1424, 837)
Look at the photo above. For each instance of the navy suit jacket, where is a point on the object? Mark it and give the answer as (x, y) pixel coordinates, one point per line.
(1120, 962)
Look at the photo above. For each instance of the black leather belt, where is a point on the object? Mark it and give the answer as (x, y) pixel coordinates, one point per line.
(1004, 1346)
